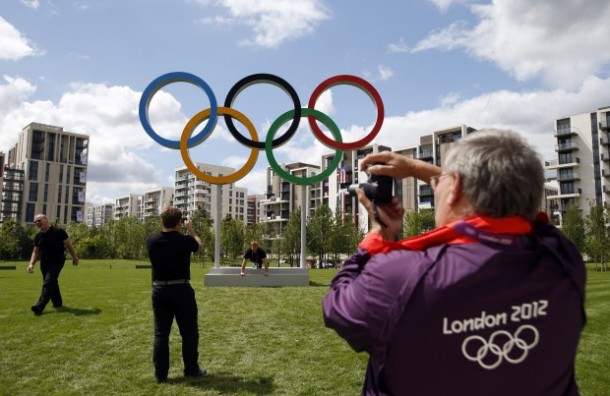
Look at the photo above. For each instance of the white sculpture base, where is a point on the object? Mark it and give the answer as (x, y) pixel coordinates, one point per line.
(278, 276)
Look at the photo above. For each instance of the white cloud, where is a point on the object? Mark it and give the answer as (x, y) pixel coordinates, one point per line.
(255, 182)
(385, 72)
(529, 113)
(13, 45)
(108, 114)
(443, 5)
(31, 3)
(560, 41)
(272, 21)
(398, 47)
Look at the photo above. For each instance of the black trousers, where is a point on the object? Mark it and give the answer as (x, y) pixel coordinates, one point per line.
(50, 283)
(168, 302)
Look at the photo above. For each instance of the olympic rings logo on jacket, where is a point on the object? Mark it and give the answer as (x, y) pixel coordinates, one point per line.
(294, 115)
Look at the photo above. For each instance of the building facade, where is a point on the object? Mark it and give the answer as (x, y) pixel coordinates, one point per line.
(48, 167)
(191, 193)
(127, 205)
(583, 161)
(98, 215)
(283, 197)
(154, 201)
(253, 212)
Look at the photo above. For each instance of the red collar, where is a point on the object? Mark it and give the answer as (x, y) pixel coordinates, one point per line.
(374, 243)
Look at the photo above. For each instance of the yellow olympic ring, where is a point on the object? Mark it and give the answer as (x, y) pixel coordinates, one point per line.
(188, 131)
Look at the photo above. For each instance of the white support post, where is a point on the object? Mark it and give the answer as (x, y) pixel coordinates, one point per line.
(303, 223)
(217, 188)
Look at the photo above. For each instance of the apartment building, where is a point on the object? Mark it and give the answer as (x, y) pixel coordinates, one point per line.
(46, 173)
(191, 193)
(583, 161)
(284, 197)
(334, 188)
(252, 211)
(127, 205)
(98, 215)
(154, 201)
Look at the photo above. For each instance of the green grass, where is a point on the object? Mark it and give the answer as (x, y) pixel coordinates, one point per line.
(253, 341)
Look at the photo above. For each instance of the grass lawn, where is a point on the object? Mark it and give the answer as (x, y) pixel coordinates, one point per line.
(254, 341)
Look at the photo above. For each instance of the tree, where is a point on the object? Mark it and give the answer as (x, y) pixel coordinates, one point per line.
(292, 236)
(129, 238)
(232, 236)
(318, 229)
(203, 224)
(11, 234)
(78, 233)
(573, 227)
(108, 236)
(416, 223)
(597, 240)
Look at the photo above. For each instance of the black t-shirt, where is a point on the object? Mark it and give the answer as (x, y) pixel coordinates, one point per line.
(170, 255)
(256, 257)
(51, 243)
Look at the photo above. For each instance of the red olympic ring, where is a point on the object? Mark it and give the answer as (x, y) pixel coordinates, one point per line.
(359, 83)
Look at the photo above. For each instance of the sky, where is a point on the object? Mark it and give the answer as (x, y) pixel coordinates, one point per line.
(84, 64)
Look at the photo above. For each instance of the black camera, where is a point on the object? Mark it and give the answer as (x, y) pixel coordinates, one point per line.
(378, 188)
(183, 220)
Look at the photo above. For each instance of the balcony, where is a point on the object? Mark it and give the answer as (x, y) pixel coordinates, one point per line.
(605, 173)
(564, 132)
(603, 124)
(605, 157)
(425, 191)
(563, 195)
(603, 141)
(568, 176)
(568, 163)
(424, 154)
(566, 147)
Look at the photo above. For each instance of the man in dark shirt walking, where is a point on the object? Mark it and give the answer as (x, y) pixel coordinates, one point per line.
(172, 295)
(49, 246)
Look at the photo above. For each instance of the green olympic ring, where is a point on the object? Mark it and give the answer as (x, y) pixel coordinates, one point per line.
(326, 120)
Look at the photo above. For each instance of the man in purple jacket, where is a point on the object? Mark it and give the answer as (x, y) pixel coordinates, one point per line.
(489, 303)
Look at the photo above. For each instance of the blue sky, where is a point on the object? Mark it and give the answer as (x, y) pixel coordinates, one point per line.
(83, 65)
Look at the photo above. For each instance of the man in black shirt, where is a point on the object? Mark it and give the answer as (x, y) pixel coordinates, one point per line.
(172, 295)
(49, 245)
(257, 256)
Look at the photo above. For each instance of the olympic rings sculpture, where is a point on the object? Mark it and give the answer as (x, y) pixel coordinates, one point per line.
(502, 352)
(211, 115)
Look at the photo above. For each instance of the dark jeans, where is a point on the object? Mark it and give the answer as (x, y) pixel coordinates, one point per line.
(50, 285)
(168, 302)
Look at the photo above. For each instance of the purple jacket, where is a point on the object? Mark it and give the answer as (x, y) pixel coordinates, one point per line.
(466, 319)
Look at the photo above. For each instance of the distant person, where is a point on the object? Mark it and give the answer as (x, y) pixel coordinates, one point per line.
(489, 303)
(257, 256)
(172, 295)
(49, 246)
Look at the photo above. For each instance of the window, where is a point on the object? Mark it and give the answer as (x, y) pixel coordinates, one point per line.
(29, 212)
(33, 192)
(33, 170)
(37, 145)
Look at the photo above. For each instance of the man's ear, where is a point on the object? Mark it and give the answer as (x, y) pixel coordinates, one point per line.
(454, 190)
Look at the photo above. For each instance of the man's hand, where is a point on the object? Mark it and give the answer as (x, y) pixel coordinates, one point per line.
(31, 268)
(390, 214)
